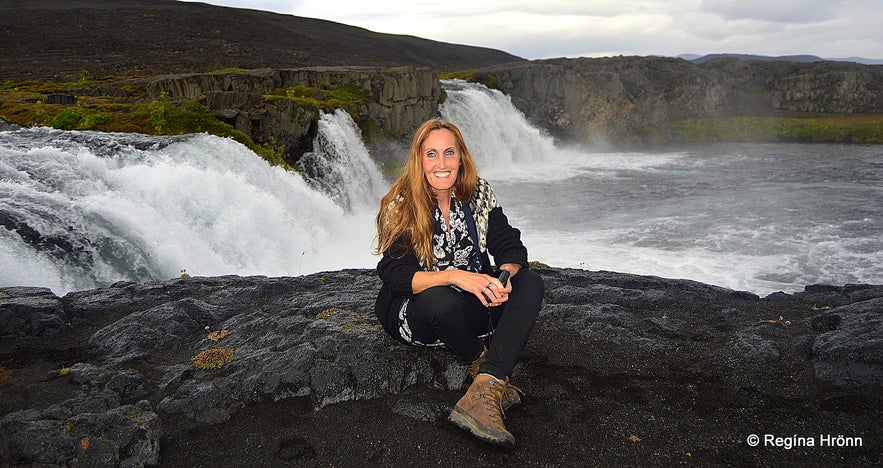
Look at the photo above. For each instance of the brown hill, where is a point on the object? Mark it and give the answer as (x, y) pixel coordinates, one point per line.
(64, 39)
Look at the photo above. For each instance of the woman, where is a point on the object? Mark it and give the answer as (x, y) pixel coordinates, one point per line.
(436, 227)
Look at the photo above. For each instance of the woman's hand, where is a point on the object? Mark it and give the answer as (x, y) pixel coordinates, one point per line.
(489, 290)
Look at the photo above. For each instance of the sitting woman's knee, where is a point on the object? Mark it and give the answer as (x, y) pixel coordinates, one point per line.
(529, 280)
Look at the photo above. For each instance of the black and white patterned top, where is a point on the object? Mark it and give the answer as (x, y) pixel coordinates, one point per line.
(453, 246)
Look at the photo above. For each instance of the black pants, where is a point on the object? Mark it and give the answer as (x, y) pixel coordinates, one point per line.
(459, 319)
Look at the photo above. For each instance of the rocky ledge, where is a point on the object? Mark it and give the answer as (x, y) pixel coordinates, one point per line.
(621, 369)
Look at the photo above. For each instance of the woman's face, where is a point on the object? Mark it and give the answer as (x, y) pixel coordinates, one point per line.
(441, 161)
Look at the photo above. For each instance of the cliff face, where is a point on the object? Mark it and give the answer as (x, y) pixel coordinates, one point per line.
(589, 100)
(399, 99)
(620, 369)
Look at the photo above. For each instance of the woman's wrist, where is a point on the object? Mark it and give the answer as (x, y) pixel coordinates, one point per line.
(512, 268)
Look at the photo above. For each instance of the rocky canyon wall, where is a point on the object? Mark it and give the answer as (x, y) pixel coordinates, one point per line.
(592, 100)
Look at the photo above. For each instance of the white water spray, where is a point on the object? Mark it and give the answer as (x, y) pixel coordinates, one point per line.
(85, 209)
(341, 165)
(508, 147)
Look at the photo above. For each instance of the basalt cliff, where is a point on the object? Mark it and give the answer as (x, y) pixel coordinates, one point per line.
(586, 101)
(255, 371)
(604, 99)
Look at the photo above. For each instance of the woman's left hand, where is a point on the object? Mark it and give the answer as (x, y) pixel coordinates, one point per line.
(499, 294)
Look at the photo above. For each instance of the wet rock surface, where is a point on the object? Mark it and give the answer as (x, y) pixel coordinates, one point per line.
(621, 369)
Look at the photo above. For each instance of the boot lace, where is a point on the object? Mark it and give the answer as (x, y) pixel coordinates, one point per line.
(492, 396)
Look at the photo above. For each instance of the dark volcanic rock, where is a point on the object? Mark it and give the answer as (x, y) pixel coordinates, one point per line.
(621, 369)
(852, 351)
(30, 311)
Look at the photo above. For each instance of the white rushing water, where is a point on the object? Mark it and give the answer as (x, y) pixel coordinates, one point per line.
(80, 210)
(84, 209)
(756, 217)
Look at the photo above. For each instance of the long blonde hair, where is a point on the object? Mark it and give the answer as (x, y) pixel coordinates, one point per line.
(406, 210)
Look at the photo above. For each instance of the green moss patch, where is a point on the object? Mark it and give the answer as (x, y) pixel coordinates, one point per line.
(350, 98)
(867, 129)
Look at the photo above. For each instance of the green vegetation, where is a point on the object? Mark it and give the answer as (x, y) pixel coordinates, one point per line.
(214, 358)
(25, 104)
(350, 98)
(839, 129)
(328, 313)
(227, 70)
(75, 118)
(474, 76)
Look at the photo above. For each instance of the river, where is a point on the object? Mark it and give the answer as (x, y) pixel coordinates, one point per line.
(80, 210)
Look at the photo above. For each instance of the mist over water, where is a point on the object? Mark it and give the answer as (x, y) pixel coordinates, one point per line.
(80, 210)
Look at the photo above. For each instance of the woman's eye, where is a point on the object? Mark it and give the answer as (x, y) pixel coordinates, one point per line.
(430, 154)
(449, 153)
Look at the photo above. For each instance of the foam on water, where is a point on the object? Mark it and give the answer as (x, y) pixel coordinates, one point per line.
(87, 209)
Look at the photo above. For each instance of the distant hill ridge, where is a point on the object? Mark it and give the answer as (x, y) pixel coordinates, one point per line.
(695, 58)
(61, 40)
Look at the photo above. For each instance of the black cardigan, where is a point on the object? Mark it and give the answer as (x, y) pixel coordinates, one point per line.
(399, 263)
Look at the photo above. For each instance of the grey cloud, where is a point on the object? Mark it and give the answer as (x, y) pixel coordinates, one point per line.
(778, 11)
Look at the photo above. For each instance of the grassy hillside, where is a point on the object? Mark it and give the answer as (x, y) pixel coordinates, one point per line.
(58, 40)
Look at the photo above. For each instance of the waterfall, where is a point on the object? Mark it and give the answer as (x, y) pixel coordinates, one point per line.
(80, 210)
(341, 166)
(498, 135)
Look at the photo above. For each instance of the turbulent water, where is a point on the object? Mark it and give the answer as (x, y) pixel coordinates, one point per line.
(82, 209)
(85, 209)
(756, 217)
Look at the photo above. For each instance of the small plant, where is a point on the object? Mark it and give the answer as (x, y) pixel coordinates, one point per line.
(218, 335)
(214, 358)
(184, 274)
(780, 320)
(64, 371)
(539, 265)
(328, 313)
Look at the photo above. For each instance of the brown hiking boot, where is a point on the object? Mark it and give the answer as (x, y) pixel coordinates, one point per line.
(511, 395)
(480, 411)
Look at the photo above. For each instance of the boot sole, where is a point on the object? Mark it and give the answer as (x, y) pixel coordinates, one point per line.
(466, 422)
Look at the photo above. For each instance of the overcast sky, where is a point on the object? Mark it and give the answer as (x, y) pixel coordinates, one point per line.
(535, 29)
